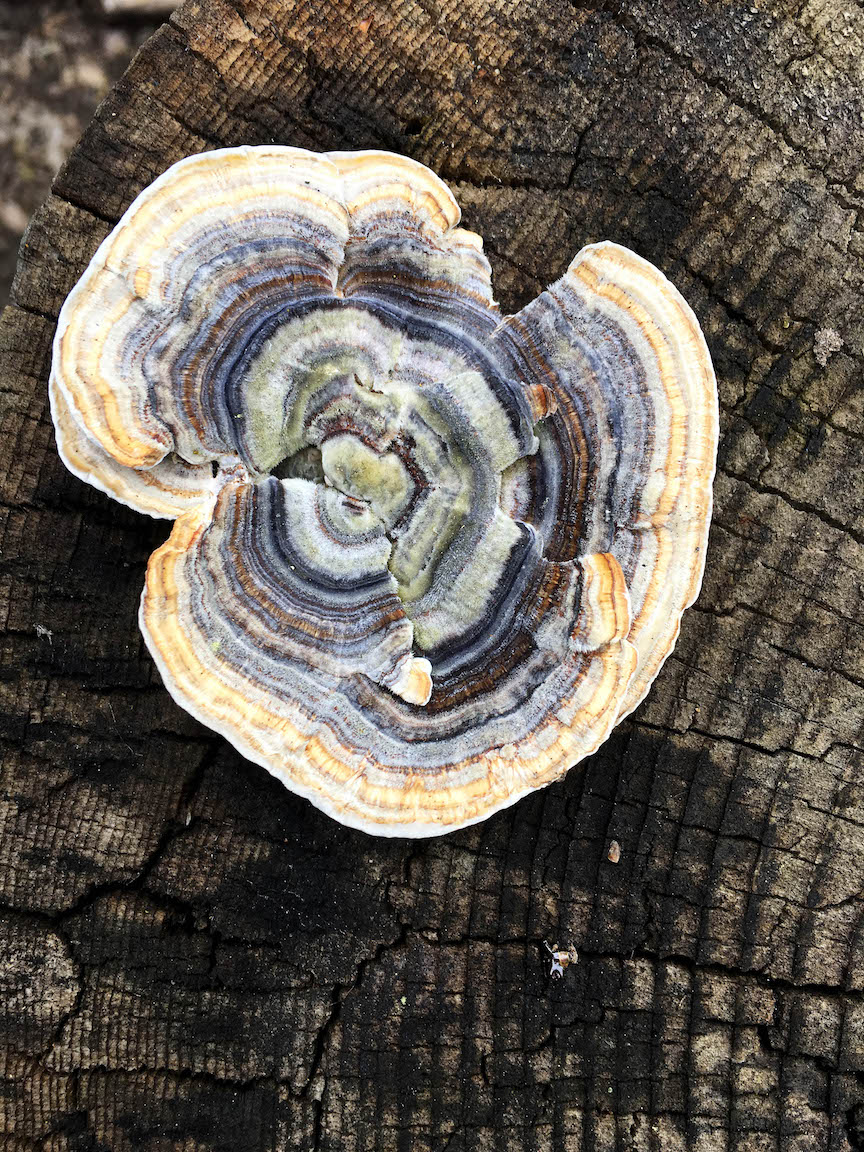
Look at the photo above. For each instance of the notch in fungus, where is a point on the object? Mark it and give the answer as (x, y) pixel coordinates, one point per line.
(424, 557)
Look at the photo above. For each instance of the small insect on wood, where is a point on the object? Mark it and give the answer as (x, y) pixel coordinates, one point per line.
(560, 959)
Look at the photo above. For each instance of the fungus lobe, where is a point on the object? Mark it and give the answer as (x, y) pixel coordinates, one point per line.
(424, 556)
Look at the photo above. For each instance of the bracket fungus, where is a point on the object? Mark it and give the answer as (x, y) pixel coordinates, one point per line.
(424, 556)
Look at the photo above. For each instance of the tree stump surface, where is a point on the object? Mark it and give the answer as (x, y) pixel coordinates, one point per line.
(192, 958)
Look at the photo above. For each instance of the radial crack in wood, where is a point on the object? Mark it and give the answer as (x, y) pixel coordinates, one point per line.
(189, 949)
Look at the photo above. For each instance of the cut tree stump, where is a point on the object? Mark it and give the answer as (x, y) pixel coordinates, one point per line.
(192, 957)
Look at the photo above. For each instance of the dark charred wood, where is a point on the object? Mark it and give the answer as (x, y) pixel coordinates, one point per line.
(193, 958)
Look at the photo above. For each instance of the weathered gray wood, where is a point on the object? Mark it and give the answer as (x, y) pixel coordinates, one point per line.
(193, 958)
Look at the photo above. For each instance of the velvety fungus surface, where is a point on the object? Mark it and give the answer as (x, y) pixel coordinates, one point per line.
(424, 556)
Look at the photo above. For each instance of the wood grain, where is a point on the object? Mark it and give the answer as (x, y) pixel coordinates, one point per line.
(192, 957)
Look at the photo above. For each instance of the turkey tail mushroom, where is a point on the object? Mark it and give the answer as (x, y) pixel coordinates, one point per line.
(424, 556)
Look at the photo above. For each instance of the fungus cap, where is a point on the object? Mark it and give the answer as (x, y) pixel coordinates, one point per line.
(424, 556)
